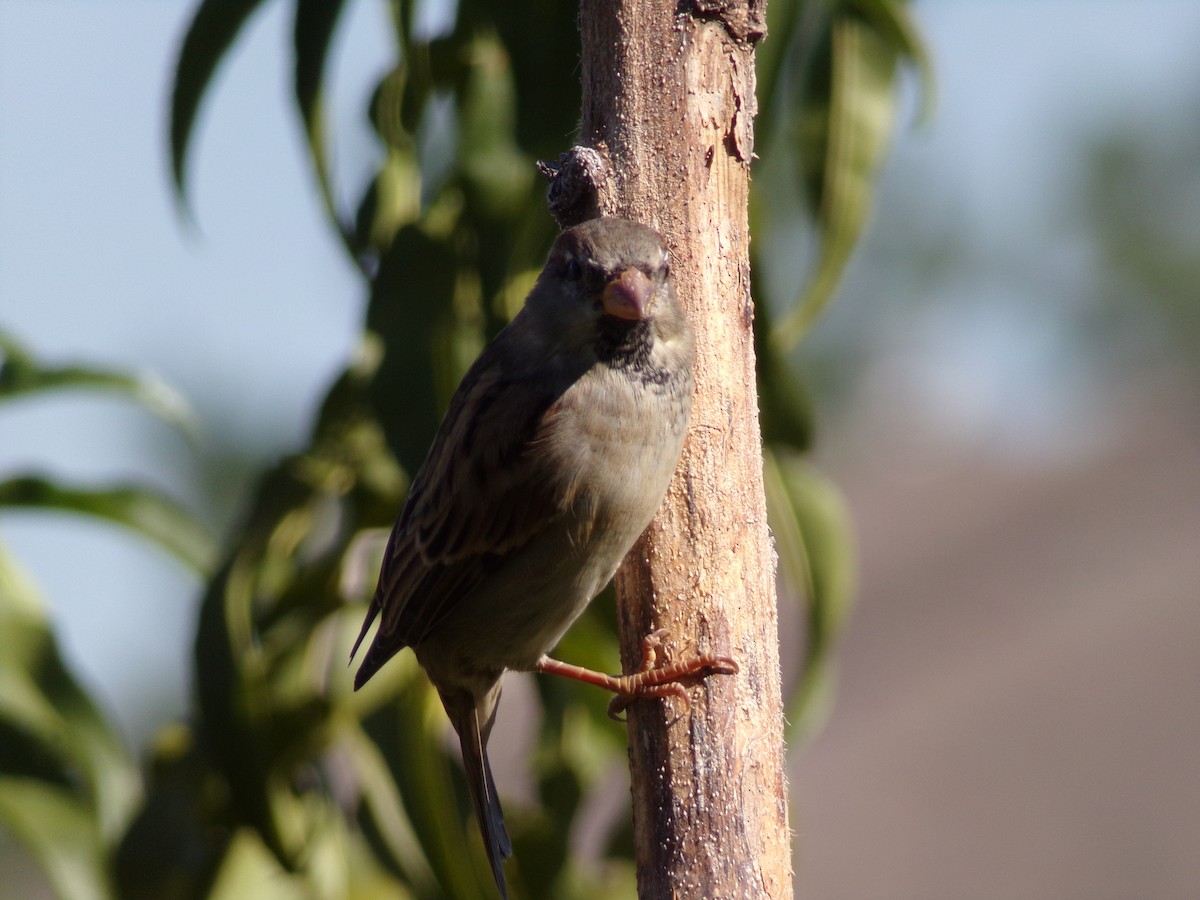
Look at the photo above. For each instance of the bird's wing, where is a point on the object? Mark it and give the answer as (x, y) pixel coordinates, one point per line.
(486, 488)
(484, 491)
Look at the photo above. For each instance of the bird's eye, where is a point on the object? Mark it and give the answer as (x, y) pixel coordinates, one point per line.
(574, 269)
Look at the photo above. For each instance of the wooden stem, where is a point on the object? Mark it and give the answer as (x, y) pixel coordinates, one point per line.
(668, 104)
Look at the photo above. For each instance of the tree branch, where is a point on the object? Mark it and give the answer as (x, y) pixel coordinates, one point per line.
(668, 106)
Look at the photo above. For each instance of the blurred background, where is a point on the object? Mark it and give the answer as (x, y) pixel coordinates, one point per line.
(1007, 388)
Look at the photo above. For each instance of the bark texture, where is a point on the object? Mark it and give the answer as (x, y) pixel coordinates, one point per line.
(668, 104)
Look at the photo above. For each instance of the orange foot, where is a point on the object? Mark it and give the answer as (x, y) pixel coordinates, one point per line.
(647, 681)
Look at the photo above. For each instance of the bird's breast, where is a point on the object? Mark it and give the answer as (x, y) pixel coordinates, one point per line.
(609, 455)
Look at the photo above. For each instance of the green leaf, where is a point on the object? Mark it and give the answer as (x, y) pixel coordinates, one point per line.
(539, 38)
(785, 410)
(56, 719)
(312, 32)
(413, 731)
(861, 107)
(211, 33)
(265, 649)
(22, 374)
(495, 173)
(411, 302)
(248, 869)
(813, 535)
(145, 511)
(235, 686)
(60, 833)
(892, 19)
(382, 805)
(173, 846)
(67, 782)
(391, 201)
(771, 61)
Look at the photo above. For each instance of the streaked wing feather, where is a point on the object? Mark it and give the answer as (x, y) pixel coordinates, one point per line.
(482, 493)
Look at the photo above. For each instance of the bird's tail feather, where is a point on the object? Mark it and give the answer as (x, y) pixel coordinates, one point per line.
(472, 737)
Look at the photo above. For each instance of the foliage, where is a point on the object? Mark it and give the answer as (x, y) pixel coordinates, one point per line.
(285, 782)
(827, 89)
(68, 785)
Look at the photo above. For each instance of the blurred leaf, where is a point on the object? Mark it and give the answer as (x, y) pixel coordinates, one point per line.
(543, 846)
(273, 693)
(611, 879)
(249, 870)
(150, 514)
(541, 42)
(209, 36)
(42, 700)
(22, 374)
(173, 847)
(813, 535)
(384, 808)
(495, 173)
(67, 782)
(236, 686)
(578, 747)
(858, 114)
(391, 201)
(785, 409)
(411, 302)
(413, 730)
(775, 56)
(571, 755)
(391, 106)
(312, 32)
(348, 431)
(892, 19)
(59, 831)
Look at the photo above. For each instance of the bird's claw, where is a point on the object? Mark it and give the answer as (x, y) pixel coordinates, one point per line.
(651, 681)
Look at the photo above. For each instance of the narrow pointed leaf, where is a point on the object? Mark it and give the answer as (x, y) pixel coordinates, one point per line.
(893, 20)
(772, 59)
(785, 409)
(67, 782)
(57, 721)
(313, 28)
(813, 534)
(145, 511)
(861, 111)
(59, 832)
(22, 374)
(381, 802)
(249, 870)
(211, 33)
(412, 731)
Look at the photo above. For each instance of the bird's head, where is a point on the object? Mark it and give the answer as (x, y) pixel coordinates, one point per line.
(606, 282)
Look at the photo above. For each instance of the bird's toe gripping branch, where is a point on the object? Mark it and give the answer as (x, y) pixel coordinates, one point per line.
(649, 681)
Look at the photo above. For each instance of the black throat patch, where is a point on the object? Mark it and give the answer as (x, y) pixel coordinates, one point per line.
(624, 345)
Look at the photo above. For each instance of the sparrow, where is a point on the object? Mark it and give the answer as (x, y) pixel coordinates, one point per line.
(554, 454)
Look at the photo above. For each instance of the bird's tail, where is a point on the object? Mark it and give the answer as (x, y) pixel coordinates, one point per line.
(472, 719)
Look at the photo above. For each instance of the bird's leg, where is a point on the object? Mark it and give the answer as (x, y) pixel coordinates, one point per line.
(648, 680)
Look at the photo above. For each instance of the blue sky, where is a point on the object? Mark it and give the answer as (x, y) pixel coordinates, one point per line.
(96, 263)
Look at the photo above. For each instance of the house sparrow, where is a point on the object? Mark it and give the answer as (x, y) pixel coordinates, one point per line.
(554, 455)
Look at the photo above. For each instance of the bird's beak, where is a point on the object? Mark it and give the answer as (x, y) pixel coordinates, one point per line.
(629, 295)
